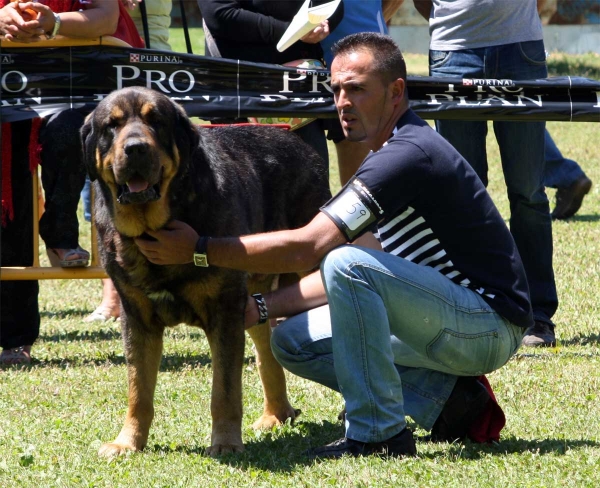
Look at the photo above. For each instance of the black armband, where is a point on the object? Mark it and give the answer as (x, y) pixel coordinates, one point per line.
(353, 209)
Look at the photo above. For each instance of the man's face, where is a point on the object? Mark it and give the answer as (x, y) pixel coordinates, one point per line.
(362, 99)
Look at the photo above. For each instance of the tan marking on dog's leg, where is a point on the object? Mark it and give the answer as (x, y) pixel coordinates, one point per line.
(226, 398)
(277, 408)
(142, 372)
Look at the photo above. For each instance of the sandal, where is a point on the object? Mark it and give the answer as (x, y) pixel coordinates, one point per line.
(101, 314)
(15, 356)
(65, 262)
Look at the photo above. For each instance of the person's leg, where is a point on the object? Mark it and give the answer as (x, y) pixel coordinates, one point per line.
(63, 178)
(20, 317)
(560, 172)
(568, 178)
(468, 137)
(110, 307)
(314, 135)
(522, 152)
(302, 345)
(440, 326)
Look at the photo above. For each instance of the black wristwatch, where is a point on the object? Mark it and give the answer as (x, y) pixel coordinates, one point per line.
(200, 258)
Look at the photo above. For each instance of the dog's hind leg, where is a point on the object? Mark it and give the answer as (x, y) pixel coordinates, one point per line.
(277, 408)
(143, 351)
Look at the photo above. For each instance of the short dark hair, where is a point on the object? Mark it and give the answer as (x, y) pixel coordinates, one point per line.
(389, 62)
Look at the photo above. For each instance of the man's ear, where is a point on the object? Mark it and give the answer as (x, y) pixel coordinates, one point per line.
(398, 90)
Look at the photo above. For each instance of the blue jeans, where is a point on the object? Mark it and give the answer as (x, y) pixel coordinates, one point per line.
(522, 153)
(560, 171)
(393, 340)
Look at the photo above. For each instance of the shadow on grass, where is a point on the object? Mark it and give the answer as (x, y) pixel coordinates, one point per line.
(582, 340)
(584, 218)
(514, 445)
(83, 336)
(284, 450)
(169, 362)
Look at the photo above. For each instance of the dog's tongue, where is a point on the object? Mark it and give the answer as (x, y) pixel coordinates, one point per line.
(137, 184)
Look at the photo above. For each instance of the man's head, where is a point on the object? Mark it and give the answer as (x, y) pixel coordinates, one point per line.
(368, 76)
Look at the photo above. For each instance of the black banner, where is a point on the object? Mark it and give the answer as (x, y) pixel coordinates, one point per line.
(41, 81)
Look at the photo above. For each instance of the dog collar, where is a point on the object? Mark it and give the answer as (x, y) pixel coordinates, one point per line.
(200, 258)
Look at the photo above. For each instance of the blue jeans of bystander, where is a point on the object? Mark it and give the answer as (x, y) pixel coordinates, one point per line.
(522, 153)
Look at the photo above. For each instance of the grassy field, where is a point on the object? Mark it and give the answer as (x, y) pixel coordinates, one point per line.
(55, 414)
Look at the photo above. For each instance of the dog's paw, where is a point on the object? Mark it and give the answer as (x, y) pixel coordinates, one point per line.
(269, 420)
(113, 449)
(220, 449)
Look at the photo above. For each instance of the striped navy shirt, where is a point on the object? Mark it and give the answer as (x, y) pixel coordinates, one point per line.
(432, 209)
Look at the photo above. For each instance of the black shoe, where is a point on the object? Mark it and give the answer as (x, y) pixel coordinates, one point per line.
(402, 444)
(465, 405)
(540, 334)
(569, 200)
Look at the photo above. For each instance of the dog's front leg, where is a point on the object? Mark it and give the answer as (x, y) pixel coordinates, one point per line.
(227, 350)
(277, 408)
(143, 354)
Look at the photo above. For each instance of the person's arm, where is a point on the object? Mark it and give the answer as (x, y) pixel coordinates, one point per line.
(298, 297)
(389, 8)
(227, 19)
(99, 19)
(424, 8)
(287, 251)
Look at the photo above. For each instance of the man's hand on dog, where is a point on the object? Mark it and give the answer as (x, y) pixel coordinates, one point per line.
(174, 244)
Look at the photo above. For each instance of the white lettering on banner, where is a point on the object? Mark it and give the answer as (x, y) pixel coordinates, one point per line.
(513, 101)
(20, 76)
(268, 97)
(597, 98)
(539, 102)
(315, 81)
(158, 81)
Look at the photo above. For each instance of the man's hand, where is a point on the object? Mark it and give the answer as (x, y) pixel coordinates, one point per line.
(174, 244)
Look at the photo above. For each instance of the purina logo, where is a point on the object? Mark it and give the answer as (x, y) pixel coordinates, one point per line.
(154, 58)
(486, 82)
(6, 59)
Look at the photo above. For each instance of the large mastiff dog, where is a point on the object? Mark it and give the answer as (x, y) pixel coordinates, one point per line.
(150, 166)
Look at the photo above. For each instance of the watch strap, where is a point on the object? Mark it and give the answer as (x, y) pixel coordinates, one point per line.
(200, 258)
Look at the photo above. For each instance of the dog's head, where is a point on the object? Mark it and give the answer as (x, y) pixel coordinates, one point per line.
(137, 142)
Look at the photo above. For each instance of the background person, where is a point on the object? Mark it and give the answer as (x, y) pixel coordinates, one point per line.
(447, 297)
(20, 314)
(250, 31)
(502, 39)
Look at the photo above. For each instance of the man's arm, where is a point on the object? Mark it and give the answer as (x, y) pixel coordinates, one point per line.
(424, 8)
(298, 297)
(286, 251)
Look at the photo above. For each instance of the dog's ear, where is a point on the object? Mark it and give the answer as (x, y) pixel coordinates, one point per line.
(88, 142)
(186, 134)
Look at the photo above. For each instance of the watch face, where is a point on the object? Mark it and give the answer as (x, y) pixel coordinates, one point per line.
(200, 260)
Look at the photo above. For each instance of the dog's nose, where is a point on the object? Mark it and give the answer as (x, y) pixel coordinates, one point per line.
(136, 148)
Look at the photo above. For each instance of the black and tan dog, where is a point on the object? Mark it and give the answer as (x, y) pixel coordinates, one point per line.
(150, 166)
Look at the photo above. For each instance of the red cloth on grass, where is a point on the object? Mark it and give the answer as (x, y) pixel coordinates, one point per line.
(488, 426)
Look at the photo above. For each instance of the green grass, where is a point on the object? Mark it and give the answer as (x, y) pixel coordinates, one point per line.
(55, 414)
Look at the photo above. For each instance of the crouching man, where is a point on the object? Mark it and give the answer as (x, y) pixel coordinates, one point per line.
(402, 324)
